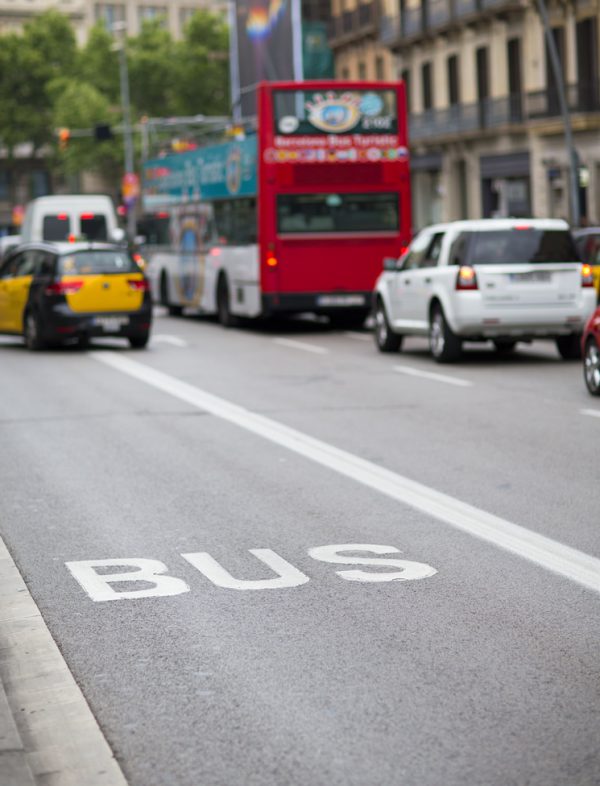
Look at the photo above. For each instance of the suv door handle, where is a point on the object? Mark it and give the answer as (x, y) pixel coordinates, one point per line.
(407, 280)
(428, 280)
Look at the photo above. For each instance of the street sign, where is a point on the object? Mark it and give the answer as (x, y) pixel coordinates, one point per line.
(130, 188)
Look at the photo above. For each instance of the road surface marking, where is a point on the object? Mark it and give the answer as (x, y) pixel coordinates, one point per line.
(174, 340)
(288, 342)
(549, 554)
(594, 413)
(151, 571)
(61, 735)
(358, 336)
(415, 372)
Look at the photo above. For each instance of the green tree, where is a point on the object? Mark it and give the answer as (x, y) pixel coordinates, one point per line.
(98, 63)
(203, 67)
(152, 66)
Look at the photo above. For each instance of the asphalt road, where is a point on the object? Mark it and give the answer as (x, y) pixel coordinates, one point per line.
(478, 666)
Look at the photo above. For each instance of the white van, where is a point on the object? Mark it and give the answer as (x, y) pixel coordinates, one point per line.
(71, 217)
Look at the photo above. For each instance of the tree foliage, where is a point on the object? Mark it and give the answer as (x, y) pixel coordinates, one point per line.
(47, 82)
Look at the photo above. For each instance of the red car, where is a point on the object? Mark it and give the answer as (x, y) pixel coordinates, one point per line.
(590, 345)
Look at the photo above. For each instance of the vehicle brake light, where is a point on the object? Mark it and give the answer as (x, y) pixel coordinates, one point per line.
(139, 285)
(272, 260)
(64, 287)
(587, 279)
(522, 227)
(86, 216)
(466, 278)
(62, 217)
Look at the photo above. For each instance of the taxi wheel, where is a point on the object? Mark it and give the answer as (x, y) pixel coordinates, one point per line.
(139, 342)
(32, 331)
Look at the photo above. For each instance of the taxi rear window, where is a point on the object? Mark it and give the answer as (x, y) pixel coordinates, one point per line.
(83, 263)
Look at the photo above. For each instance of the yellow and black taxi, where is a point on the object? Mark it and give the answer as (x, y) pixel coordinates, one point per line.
(55, 292)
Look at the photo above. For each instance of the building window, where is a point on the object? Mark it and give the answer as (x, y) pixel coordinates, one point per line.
(427, 86)
(4, 185)
(379, 68)
(109, 13)
(40, 183)
(152, 12)
(453, 81)
(362, 71)
(345, 73)
(405, 77)
(515, 80)
(587, 64)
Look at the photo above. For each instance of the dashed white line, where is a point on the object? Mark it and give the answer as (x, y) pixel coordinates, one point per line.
(416, 372)
(545, 552)
(358, 336)
(173, 340)
(288, 342)
(593, 413)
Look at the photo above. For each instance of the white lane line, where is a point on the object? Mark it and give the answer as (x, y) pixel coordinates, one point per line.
(416, 372)
(594, 413)
(548, 553)
(62, 735)
(357, 336)
(173, 340)
(288, 342)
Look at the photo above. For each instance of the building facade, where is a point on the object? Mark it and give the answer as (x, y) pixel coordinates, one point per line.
(487, 137)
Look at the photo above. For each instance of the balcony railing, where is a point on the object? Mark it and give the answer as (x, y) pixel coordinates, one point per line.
(389, 28)
(495, 112)
(352, 23)
(412, 21)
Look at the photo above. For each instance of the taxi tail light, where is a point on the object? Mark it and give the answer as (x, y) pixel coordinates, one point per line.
(64, 287)
(587, 279)
(272, 260)
(137, 285)
(466, 278)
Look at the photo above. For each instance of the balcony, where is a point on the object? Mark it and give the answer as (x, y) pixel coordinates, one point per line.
(433, 16)
(513, 110)
(353, 25)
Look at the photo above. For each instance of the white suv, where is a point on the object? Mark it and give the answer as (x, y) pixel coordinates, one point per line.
(504, 280)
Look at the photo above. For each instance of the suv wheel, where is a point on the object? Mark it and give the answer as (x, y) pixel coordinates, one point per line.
(385, 339)
(569, 347)
(591, 367)
(445, 346)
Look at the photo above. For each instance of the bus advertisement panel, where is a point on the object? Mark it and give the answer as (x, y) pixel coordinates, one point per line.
(295, 218)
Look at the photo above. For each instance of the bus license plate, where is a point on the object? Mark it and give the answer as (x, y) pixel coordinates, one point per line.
(341, 300)
(111, 324)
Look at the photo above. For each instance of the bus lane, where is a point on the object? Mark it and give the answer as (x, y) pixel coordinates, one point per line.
(279, 659)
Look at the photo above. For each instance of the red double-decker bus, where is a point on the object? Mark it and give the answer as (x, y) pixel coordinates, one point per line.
(297, 218)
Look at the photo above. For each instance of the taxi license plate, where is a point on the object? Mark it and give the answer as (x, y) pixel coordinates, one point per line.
(341, 300)
(111, 324)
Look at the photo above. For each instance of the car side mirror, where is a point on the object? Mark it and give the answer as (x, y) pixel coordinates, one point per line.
(390, 263)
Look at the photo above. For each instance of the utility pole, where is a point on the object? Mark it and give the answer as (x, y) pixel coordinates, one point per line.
(119, 46)
(564, 110)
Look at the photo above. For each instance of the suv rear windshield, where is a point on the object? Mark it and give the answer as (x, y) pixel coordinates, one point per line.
(517, 246)
(81, 263)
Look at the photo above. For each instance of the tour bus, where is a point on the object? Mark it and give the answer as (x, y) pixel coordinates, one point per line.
(296, 217)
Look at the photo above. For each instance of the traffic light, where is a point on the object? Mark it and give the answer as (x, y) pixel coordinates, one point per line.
(103, 132)
(63, 138)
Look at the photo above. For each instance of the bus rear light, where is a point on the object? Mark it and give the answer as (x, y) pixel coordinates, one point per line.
(272, 261)
(137, 285)
(466, 278)
(64, 287)
(587, 279)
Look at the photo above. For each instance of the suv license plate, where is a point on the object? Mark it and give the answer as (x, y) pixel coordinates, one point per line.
(536, 276)
(111, 324)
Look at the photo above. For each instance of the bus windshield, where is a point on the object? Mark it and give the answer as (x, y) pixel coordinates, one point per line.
(340, 111)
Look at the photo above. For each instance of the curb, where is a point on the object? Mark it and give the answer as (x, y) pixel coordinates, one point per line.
(47, 730)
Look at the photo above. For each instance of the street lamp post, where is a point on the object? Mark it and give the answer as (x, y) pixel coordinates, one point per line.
(564, 110)
(120, 27)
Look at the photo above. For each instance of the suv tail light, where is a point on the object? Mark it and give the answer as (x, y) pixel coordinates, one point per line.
(466, 278)
(138, 285)
(64, 287)
(587, 279)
